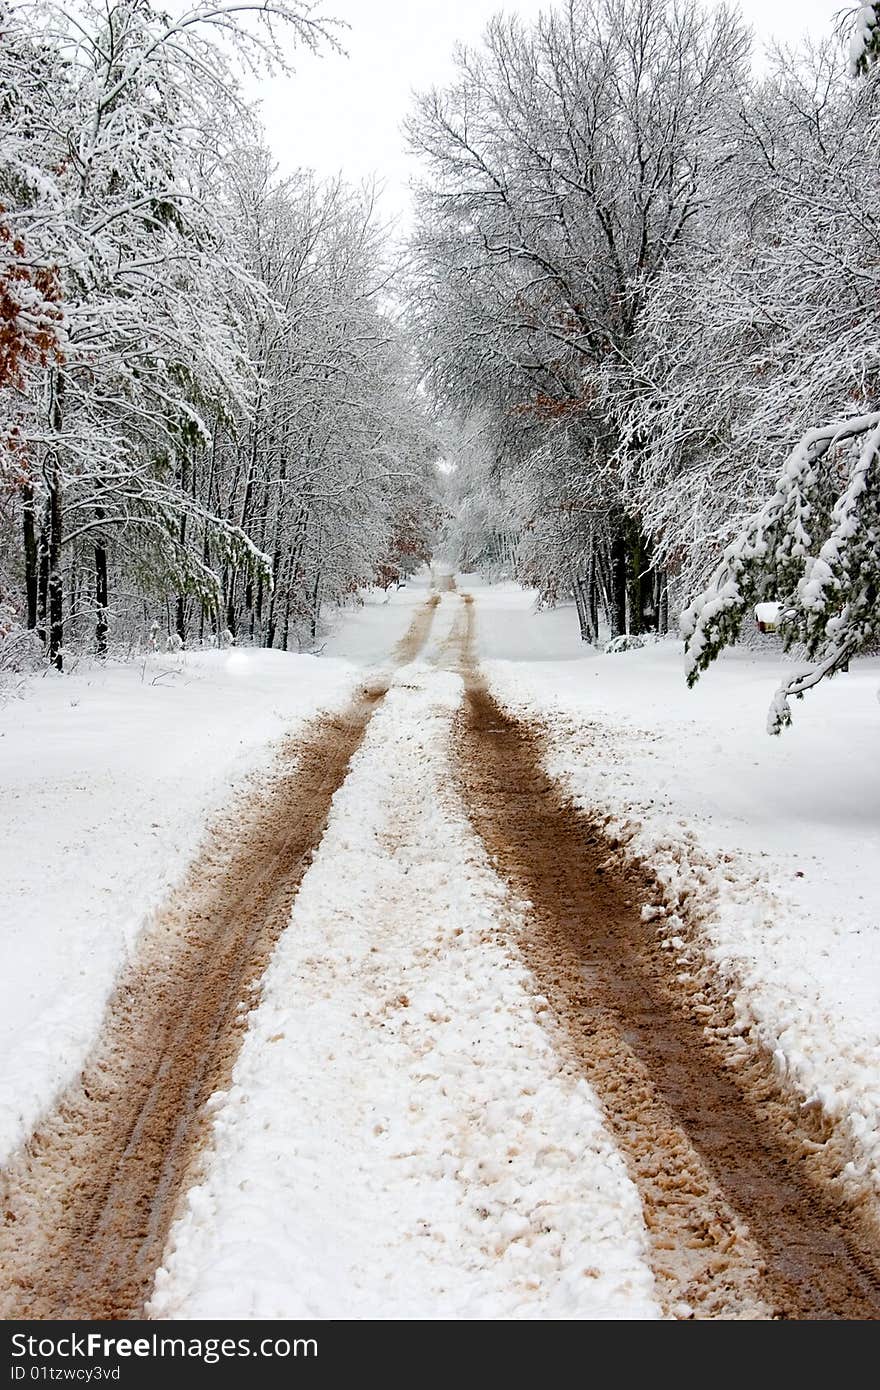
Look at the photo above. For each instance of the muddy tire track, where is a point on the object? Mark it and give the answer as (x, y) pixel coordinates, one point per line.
(88, 1202)
(417, 633)
(738, 1225)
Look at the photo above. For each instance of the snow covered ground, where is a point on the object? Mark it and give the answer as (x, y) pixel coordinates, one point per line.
(771, 843)
(107, 779)
(378, 1153)
(401, 1139)
(367, 631)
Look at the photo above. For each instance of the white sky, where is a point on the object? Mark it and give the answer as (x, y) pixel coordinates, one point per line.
(343, 114)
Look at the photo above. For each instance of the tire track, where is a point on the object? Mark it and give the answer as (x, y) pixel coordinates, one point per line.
(738, 1225)
(89, 1200)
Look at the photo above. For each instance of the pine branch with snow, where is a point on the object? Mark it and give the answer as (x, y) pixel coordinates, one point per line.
(813, 548)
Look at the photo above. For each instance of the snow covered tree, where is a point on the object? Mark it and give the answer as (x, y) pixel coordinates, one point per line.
(864, 40)
(30, 315)
(481, 524)
(814, 549)
(110, 173)
(564, 169)
(807, 348)
(335, 445)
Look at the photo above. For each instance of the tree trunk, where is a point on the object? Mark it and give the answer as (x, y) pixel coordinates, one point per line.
(582, 604)
(602, 583)
(635, 575)
(73, 600)
(43, 575)
(180, 606)
(618, 582)
(231, 610)
(662, 602)
(272, 603)
(295, 550)
(592, 597)
(212, 610)
(285, 630)
(31, 558)
(642, 592)
(256, 618)
(101, 595)
(211, 486)
(316, 606)
(55, 581)
(257, 612)
(55, 518)
(272, 627)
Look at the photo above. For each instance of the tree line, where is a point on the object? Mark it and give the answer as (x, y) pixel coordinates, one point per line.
(645, 281)
(641, 292)
(209, 421)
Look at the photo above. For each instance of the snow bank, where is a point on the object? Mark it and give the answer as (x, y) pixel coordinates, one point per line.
(108, 777)
(400, 1139)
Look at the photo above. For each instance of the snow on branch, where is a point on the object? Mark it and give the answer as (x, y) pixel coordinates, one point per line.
(819, 562)
(863, 41)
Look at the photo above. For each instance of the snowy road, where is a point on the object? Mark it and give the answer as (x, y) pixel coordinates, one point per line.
(409, 1042)
(405, 1140)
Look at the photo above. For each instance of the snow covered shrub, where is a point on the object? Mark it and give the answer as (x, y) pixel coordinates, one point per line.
(629, 642)
(20, 650)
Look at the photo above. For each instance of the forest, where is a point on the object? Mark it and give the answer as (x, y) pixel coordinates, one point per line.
(645, 284)
(209, 425)
(636, 316)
